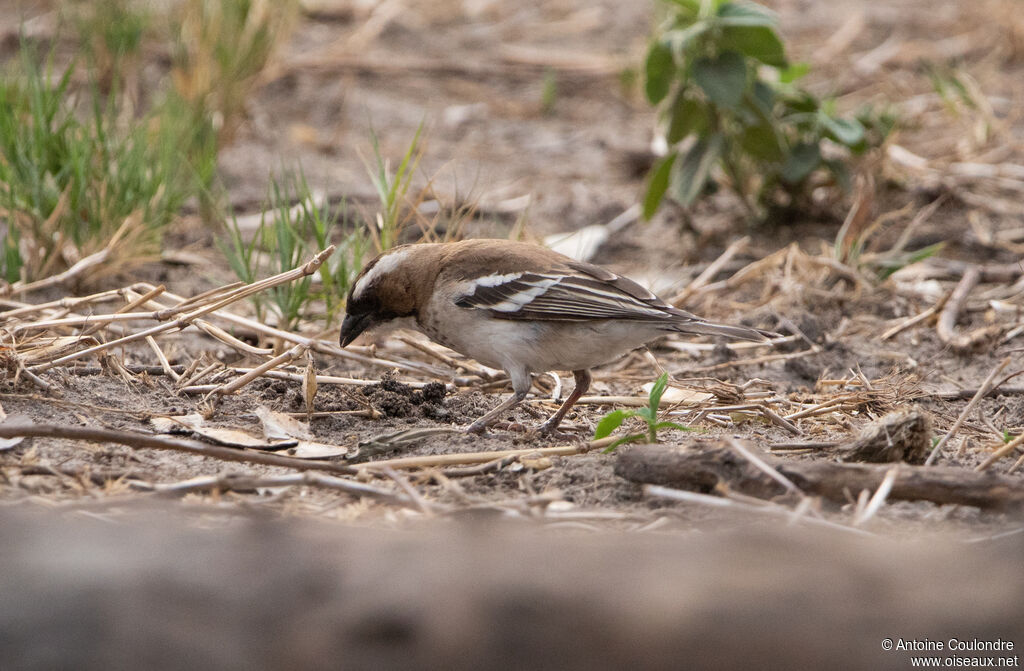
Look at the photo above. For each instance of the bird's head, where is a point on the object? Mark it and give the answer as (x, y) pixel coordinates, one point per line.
(386, 289)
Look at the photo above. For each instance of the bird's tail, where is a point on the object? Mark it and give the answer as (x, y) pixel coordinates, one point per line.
(701, 327)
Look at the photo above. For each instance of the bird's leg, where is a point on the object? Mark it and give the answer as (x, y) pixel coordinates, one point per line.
(480, 425)
(582, 384)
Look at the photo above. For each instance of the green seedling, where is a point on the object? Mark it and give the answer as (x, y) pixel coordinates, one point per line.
(649, 415)
(293, 227)
(78, 178)
(729, 101)
(392, 190)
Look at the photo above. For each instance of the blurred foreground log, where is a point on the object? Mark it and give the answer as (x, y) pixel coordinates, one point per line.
(151, 593)
(703, 465)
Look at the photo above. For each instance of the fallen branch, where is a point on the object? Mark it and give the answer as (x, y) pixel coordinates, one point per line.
(705, 468)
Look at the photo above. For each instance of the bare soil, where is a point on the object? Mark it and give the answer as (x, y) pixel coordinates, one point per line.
(475, 73)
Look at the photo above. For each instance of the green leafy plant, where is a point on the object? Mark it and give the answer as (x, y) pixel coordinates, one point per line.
(293, 228)
(649, 415)
(75, 179)
(392, 190)
(728, 98)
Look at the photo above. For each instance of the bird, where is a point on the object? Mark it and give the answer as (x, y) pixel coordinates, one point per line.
(519, 307)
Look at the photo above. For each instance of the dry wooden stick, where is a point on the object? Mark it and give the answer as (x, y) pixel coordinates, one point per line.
(985, 387)
(946, 326)
(131, 305)
(468, 365)
(324, 347)
(685, 346)
(765, 507)
(309, 478)
(181, 322)
(878, 499)
(768, 358)
(142, 440)
(285, 357)
(763, 466)
(66, 303)
(1001, 452)
(705, 277)
(706, 468)
(918, 318)
(484, 457)
(162, 358)
(74, 271)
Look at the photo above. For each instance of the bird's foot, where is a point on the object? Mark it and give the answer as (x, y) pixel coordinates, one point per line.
(549, 429)
(477, 428)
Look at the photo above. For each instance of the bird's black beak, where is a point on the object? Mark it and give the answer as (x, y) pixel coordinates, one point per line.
(353, 326)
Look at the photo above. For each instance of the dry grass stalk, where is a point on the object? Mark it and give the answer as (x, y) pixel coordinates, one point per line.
(985, 387)
(287, 357)
(185, 320)
(144, 440)
(438, 460)
(1001, 452)
(249, 482)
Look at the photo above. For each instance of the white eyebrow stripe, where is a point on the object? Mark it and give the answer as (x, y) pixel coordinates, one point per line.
(384, 265)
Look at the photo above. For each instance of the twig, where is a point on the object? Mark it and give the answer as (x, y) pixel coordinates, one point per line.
(881, 494)
(74, 271)
(1001, 452)
(131, 305)
(985, 387)
(311, 479)
(238, 383)
(807, 445)
(180, 323)
(768, 358)
(761, 465)
(705, 277)
(143, 440)
(483, 457)
(780, 421)
(916, 319)
(418, 501)
(721, 502)
(946, 326)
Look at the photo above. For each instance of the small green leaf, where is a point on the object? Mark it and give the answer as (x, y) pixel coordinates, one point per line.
(688, 7)
(659, 69)
(677, 40)
(762, 100)
(758, 42)
(687, 115)
(657, 391)
(609, 423)
(848, 132)
(645, 414)
(761, 142)
(672, 425)
(794, 72)
(745, 14)
(802, 161)
(841, 172)
(631, 438)
(692, 172)
(658, 184)
(724, 79)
